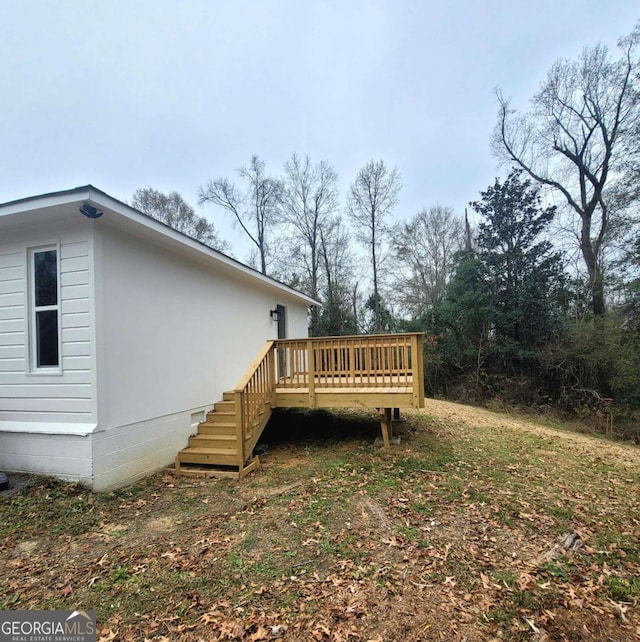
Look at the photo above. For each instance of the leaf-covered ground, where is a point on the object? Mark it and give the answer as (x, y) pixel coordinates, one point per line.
(455, 534)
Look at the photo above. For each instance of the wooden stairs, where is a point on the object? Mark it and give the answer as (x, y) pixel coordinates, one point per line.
(214, 451)
(363, 371)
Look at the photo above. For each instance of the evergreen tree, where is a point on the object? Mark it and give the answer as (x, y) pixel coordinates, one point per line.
(521, 269)
(460, 326)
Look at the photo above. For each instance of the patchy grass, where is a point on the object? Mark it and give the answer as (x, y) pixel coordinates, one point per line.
(453, 535)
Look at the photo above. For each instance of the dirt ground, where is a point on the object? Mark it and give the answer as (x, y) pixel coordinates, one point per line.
(455, 534)
(625, 454)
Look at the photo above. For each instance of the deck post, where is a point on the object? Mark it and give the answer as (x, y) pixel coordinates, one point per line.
(311, 373)
(421, 369)
(352, 360)
(385, 423)
(417, 370)
(239, 428)
(272, 377)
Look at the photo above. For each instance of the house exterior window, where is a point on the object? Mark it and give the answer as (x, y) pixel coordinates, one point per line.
(45, 309)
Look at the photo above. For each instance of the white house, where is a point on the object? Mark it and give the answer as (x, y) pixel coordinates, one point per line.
(117, 335)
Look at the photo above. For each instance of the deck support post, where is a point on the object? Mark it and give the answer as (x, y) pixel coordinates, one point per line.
(417, 369)
(385, 423)
(311, 369)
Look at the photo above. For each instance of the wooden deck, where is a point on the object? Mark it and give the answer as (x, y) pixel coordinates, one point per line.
(363, 371)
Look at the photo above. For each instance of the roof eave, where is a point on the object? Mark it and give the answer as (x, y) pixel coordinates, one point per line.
(104, 200)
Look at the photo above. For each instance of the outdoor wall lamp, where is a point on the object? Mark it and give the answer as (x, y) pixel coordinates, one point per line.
(89, 211)
(274, 314)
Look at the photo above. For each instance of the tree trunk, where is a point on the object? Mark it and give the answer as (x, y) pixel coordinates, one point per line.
(376, 300)
(597, 294)
(593, 268)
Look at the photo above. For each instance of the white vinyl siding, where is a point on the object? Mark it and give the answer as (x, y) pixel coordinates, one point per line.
(12, 313)
(64, 394)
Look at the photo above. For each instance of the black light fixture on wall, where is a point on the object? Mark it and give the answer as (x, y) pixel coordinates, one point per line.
(274, 314)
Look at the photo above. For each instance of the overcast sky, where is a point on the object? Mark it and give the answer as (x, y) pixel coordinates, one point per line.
(128, 94)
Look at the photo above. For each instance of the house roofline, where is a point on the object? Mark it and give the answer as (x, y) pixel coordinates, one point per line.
(64, 192)
(98, 196)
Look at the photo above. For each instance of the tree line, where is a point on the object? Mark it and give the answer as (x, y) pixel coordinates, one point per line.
(537, 302)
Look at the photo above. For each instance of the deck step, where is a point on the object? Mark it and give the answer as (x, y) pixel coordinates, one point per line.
(217, 471)
(214, 456)
(213, 450)
(218, 428)
(217, 417)
(213, 441)
(202, 470)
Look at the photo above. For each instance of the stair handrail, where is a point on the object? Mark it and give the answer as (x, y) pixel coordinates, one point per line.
(254, 366)
(252, 393)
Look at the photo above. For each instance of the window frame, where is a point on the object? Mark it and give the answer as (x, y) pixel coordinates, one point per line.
(33, 368)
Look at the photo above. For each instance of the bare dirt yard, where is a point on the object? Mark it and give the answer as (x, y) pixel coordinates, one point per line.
(478, 526)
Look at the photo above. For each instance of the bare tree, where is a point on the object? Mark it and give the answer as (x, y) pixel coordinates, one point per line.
(256, 208)
(424, 248)
(372, 197)
(339, 311)
(574, 138)
(172, 210)
(309, 201)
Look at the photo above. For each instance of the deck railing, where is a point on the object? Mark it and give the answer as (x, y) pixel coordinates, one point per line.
(385, 360)
(359, 361)
(320, 363)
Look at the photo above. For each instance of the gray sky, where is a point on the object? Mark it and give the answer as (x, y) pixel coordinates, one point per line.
(170, 93)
